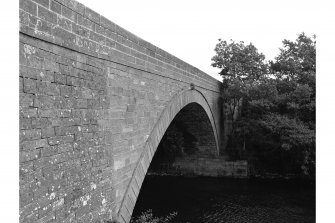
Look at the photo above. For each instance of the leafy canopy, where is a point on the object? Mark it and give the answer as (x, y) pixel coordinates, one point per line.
(276, 122)
(239, 61)
(296, 58)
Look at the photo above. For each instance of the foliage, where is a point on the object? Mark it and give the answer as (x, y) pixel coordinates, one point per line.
(276, 124)
(296, 58)
(147, 217)
(240, 65)
(238, 61)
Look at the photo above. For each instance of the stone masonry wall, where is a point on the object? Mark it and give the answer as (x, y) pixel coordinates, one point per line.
(90, 96)
(197, 123)
(214, 167)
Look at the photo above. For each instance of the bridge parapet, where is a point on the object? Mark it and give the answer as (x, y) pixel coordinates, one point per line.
(70, 24)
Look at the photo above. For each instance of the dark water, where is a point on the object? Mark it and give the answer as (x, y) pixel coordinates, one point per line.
(227, 200)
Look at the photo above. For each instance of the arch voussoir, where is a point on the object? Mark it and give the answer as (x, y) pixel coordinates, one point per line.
(177, 103)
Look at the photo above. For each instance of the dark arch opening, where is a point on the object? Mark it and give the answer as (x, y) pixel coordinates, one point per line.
(188, 138)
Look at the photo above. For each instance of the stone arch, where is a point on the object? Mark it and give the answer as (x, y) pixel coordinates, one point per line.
(177, 103)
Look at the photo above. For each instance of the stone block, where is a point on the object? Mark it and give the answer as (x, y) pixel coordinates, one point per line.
(48, 132)
(28, 6)
(68, 13)
(92, 15)
(45, 3)
(65, 23)
(56, 7)
(47, 15)
(30, 134)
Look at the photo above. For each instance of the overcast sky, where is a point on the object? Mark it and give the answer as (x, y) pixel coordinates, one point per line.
(190, 29)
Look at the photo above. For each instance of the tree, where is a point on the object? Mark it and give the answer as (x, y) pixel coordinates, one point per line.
(296, 59)
(277, 118)
(240, 65)
(295, 69)
(239, 61)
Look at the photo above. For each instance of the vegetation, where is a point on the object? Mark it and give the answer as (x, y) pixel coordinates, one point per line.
(147, 217)
(275, 127)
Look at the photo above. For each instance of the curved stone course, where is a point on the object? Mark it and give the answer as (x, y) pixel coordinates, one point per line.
(177, 103)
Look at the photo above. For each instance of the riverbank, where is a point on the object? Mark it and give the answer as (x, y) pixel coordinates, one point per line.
(265, 176)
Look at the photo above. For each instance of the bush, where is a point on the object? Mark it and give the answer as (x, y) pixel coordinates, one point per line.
(147, 217)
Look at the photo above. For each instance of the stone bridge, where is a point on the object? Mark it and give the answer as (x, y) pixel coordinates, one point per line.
(95, 102)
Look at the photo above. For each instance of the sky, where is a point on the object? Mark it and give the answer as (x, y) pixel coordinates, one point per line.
(190, 30)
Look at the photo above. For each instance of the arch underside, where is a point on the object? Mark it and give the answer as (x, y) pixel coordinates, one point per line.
(177, 103)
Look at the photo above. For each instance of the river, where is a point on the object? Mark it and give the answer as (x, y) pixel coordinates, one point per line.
(213, 200)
